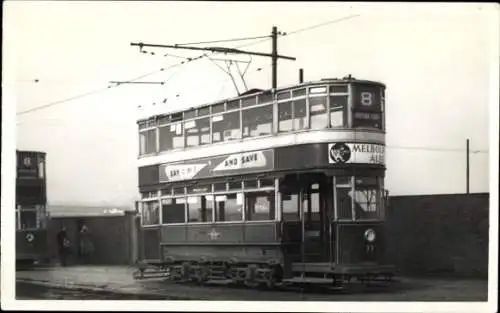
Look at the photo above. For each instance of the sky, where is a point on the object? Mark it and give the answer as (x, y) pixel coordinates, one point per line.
(435, 59)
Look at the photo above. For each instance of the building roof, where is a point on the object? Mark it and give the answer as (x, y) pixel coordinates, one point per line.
(86, 211)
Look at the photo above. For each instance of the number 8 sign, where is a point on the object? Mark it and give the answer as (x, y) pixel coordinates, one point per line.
(367, 98)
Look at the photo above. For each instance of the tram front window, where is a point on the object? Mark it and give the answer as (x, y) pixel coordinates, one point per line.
(366, 195)
(367, 198)
(28, 219)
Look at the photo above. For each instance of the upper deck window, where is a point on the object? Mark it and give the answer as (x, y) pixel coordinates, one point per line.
(283, 95)
(203, 111)
(299, 92)
(41, 169)
(176, 117)
(218, 108)
(338, 105)
(292, 115)
(249, 101)
(189, 114)
(164, 120)
(285, 116)
(171, 137)
(265, 97)
(197, 132)
(315, 90)
(142, 125)
(258, 121)
(318, 111)
(338, 89)
(233, 105)
(147, 141)
(226, 127)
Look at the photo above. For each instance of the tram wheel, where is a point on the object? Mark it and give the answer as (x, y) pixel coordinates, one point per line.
(251, 273)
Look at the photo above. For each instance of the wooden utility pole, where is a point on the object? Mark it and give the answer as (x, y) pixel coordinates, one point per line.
(273, 55)
(467, 166)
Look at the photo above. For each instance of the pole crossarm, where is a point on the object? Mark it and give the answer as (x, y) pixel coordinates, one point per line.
(130, 82)
(212, 49)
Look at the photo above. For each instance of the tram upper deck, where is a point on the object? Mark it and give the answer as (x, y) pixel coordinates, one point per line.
(325, 111)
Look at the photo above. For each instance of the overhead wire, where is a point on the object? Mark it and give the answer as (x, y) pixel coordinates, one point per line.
(266, 38)
(438, 149)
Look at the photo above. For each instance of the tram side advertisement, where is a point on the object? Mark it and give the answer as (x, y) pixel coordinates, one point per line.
(364, 153)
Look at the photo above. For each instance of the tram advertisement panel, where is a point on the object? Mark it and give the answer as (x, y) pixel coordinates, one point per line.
(366, 153)
(237, 163)
(367, 102)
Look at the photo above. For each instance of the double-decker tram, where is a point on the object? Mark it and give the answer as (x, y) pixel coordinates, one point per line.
(272, 186)
(31, 201)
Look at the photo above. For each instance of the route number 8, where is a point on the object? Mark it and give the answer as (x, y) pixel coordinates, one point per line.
(366, 98)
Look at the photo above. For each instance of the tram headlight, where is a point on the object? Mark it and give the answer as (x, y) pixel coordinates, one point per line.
(370, 235)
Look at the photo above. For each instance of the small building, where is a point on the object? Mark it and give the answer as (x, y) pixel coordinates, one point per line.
(112, 230)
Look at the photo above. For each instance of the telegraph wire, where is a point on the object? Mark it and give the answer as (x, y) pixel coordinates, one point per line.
(175, 65)
(436, 149)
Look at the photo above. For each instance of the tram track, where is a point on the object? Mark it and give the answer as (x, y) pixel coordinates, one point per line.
(289, 288)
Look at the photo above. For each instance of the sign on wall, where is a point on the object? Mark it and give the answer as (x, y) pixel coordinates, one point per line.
(365, 153)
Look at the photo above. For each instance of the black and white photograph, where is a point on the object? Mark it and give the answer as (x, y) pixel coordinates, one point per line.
(250, 156)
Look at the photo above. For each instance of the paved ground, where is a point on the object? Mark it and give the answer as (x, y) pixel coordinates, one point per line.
(115, 282)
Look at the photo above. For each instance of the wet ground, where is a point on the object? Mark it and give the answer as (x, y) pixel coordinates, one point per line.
(116, 283)
(29, 291)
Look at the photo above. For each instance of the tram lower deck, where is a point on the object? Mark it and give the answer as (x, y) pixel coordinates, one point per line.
(262, 230)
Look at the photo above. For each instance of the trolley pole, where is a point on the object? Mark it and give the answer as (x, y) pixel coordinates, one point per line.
(274, 56)
(467, 166)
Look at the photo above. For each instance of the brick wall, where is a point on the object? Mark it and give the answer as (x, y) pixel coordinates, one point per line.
(439, 234)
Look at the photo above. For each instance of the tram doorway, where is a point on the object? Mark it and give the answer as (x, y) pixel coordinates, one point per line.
(312, 199)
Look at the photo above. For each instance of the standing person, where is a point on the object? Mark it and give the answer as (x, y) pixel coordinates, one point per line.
(63, 245)
(86, 245)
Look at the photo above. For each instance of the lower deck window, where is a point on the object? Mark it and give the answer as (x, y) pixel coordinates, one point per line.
(150, 213)
(172, 210)
(147, 143)
(200, 208)
(260, 206)
(229, 207)
(367, 198)
(364, 199)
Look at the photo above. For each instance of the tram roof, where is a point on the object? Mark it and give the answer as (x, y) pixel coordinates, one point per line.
(257, 91)
(31, 151)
